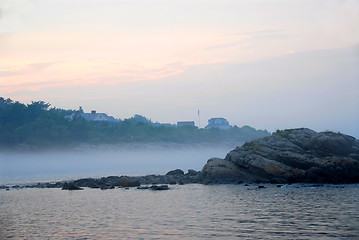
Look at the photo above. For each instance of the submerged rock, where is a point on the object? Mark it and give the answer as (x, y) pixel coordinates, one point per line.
(295, 155)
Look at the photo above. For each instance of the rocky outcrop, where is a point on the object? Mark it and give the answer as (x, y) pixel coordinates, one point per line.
(295, 155)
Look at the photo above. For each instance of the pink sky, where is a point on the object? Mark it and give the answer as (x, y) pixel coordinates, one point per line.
(270, 64)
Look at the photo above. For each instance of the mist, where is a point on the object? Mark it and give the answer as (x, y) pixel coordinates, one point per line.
(105, 160)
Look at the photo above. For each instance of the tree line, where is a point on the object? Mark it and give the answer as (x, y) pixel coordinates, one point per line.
(38, 125)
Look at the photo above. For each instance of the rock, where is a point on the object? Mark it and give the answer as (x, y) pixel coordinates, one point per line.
(105, 187)
(192, 172)
(7, 188)
(88, 182)
(175, 172)
(159, 188)
(108, 182)
(54, 185)
(124, 182)
(219, 171)
(128, 182)
(134, 183)
(178, 176)
(70, 186)
(295, 155)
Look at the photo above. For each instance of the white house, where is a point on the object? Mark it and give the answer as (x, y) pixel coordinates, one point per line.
(93, 116)
(220, 123)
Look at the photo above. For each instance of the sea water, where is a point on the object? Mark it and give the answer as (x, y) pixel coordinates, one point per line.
(191, 211)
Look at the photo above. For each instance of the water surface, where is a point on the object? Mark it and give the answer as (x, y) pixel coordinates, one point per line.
(184, 212)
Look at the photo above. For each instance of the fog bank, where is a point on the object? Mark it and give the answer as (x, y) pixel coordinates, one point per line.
(105, 160)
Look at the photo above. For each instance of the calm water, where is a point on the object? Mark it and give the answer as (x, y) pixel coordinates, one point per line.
(183, 212)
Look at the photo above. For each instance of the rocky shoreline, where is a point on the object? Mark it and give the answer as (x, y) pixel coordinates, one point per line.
(153, 182)
(289, 156)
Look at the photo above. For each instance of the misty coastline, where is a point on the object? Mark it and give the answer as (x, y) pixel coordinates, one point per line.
(42, 144)
(96, 161)
(288, 156)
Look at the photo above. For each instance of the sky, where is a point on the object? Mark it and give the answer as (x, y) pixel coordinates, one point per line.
(270, 64)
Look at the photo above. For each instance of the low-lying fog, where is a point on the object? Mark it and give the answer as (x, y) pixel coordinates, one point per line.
(102, 161)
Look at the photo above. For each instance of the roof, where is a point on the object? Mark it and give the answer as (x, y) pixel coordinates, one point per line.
(183, 123)
(98, 117)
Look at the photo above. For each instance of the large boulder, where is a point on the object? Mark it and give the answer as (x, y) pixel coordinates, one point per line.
(294, 155)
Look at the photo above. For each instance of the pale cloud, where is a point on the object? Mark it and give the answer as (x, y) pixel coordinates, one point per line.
(261, 32)
(9, 73)
(225, 45)
(102, 73)
(251, 39)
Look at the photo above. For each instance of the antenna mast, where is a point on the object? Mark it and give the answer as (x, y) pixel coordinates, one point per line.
(199, 120)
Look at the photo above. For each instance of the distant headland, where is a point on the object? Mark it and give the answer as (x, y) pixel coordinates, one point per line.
(36, 126)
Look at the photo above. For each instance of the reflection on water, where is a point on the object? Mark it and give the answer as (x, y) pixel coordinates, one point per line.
(184, 212)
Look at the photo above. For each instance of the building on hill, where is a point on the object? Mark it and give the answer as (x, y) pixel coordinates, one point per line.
(185, 123)
(220, 123)
(93, 117)
(158, 124)
(98, 117)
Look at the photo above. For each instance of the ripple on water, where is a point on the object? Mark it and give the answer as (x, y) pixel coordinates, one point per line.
(186, 212)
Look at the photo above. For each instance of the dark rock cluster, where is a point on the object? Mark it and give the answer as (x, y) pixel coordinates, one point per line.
(173, 177)
(156, 182)
(288, 156)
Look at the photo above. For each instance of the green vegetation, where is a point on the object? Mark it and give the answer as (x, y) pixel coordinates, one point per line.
(283, 133)
(38, 125)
